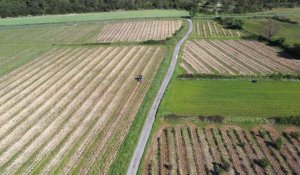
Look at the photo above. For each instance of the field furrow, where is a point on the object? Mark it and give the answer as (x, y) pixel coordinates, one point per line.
(116, 122)
(228, 149)
(233, 57)
(211, 29)
(139, 30)
(65, 107)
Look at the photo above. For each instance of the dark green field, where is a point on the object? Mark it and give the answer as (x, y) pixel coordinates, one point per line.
(235, 98)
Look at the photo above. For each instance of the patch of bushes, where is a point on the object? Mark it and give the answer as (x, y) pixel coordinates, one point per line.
(168, 166)
(230, 23)
(277, 144)
(152, 42)
(221, 168)
(292, 120)
(293, 50)
(264, 163)
(262, 134)
(213, 119)
(277, 42)
(295, 135)
(275, 76)
(284, 19)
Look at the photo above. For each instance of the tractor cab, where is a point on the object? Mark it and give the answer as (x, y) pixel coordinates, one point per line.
(139, 78)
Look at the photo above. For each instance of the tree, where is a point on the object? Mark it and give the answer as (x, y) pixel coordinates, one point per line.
(193, 12)
(278, 144)
(270, 29)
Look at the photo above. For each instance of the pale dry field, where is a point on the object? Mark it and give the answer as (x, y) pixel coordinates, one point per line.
(196, 150)
(235, 57)
(68, 33)
(209, 28)
(139, 30)
(69, 111)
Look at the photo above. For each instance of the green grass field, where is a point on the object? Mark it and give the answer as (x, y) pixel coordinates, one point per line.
(235, 98)
(93, 17)
(288, 31)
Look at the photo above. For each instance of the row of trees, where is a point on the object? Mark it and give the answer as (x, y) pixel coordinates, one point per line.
(243, 6)
(11, 8)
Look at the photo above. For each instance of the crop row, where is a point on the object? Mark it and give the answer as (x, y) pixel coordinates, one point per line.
(71, 104)
(235, 57)
(48, 34)
(230, 149)
(208, 28)
(139, 30)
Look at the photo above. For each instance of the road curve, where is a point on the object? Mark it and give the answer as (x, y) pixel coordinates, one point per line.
(139, 150)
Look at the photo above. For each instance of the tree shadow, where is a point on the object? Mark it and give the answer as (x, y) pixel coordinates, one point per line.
(286, 55)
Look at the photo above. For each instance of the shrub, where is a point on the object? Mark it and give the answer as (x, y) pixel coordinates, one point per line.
(295, 135)
(217, 169)
(277, 144)
(284, 19)
(226, 166)
(262, 134)
(292, 120)
(293, 50)
(168, 166)
(215, 119)
(220, 168)
(277, 42)
(230, 23)
(264, 163)
(273, 76)
(152, 42)
(241, 144)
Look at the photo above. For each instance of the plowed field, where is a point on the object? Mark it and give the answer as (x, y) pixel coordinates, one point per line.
(139, 30)
(209, 150)
(235, 57)
(208, 29)
(70, 110)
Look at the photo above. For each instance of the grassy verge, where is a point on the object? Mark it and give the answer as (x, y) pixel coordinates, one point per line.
(93, 17)
(121, 163)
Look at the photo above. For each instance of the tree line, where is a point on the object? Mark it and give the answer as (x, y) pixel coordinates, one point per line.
(12, 8)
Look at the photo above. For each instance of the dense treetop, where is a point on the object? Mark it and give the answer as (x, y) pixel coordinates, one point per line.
(11, 8)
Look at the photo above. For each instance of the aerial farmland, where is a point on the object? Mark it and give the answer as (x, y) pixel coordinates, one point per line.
(70, 109)
(196, 90)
